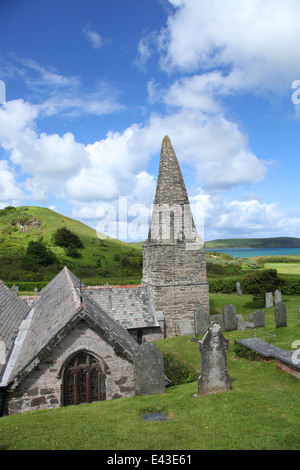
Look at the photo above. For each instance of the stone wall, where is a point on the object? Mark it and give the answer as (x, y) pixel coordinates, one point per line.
(42, 387)
(176, 277)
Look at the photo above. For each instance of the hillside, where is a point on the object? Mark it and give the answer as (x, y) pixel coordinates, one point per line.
(279, 242)
(99, 261)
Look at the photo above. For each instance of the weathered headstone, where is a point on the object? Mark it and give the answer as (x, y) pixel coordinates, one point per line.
(277, 296)
(269, 299)
(238, 289)
(185, 327)
(280, 315)
(240, 323)
(36, 290)
(15, 288)
(217, 318)
(259, 319)
(148, 370)
(214, 377)
(201, 320)
(243, 325)
(230, 320)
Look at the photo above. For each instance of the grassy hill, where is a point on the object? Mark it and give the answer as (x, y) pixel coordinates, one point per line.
(279, 242)
(99, 261)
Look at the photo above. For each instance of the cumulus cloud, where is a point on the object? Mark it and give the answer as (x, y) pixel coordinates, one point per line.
(256, 39)
(9, 188)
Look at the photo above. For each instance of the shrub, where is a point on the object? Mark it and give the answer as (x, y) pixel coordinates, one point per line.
(38, 254)
(260, 282)
(177, 371)
(246, 353)
(64, 237)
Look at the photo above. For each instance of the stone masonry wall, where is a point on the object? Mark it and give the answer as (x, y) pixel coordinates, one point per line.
(176, 277)
(42, 388)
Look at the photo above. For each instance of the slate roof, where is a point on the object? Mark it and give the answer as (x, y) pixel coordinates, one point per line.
(130, 305)
(61, 305)
(12, 311)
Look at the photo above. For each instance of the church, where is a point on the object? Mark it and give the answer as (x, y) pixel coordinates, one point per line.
(75, 344)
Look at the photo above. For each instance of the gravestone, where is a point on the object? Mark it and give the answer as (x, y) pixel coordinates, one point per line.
(238, 289)
(299, 316)
(217, 318)
(185, 327)
(148, 370)
(259, 319)
(280, 315)
(201, 320)
(277, 296)
(230, 320)
(243, 325)
(269, 299)
(213, 348)
(240, 323)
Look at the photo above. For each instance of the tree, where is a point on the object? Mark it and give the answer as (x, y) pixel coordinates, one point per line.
(65, 237)
(38, 254)
(260, 282)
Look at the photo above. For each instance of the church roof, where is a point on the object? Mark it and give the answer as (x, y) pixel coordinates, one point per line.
(130, 305)
(62, 304)
(12, 311)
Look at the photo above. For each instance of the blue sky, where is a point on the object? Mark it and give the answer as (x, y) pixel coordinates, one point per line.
(92, 87)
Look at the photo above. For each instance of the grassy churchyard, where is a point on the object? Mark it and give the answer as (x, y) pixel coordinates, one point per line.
(261, 411)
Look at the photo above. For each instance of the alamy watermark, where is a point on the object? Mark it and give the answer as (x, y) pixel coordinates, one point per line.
(296, 94)
(2, 92)
(169, 222)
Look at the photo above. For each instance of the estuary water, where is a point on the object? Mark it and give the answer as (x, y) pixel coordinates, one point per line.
(249, 252)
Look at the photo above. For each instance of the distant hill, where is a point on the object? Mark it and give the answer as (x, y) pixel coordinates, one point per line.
(97, 262)
(279, 242)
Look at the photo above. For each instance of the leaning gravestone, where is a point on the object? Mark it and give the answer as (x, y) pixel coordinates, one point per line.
(213, 348)
(201, 320)
(280, 315)
(259, 319)
(148, 370)
(277, 296)
(230, 319)
(269, 299)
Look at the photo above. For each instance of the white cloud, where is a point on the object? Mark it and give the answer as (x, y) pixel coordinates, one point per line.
(254, 39)
(93, 37)
(9, 189)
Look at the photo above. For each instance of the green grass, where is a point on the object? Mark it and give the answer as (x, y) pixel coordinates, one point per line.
(285, 268)
(261, 411)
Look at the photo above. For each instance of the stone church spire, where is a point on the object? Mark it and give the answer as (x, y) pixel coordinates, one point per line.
(174, 259)
(172, 218)
(170, 184)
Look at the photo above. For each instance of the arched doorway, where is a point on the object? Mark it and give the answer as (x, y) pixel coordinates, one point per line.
(83, 380)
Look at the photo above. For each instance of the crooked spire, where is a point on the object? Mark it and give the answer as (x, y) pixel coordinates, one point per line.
(172, 219)
(170, 184)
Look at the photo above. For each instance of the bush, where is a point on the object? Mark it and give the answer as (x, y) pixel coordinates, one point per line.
(225, 286)
(177, 371)
(37, 254)
(260, 282)
(246, 353)
(64, 237)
